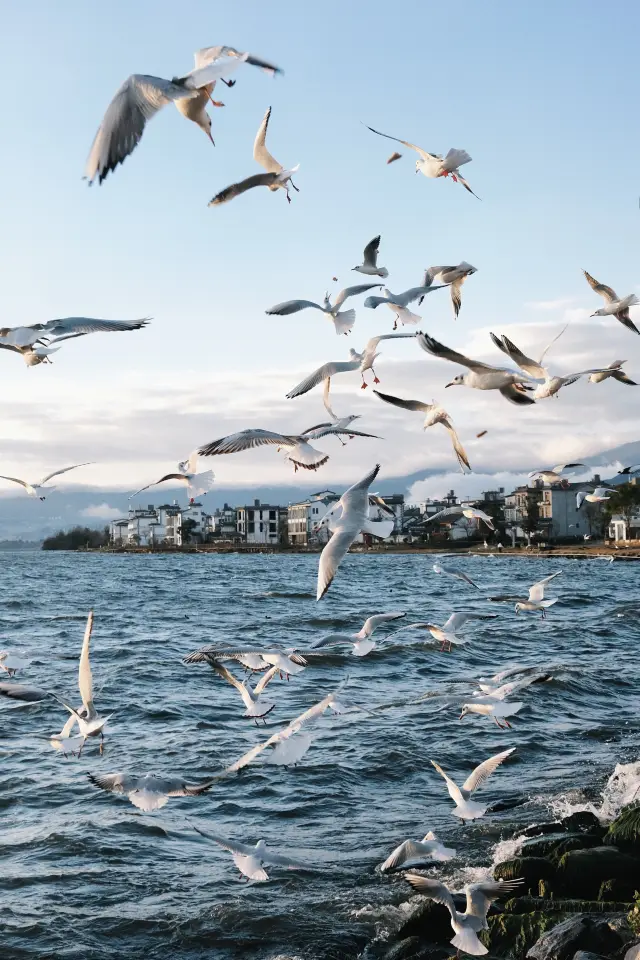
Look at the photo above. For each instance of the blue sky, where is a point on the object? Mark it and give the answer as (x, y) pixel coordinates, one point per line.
(543, 97)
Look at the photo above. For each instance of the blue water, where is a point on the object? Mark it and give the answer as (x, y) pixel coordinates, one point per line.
(84, 874)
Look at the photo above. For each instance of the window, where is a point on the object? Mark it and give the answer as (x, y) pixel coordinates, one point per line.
(272, 528)
(272, 514)
(261, 528)
(315, 510)
(252, 527)
(250, 514)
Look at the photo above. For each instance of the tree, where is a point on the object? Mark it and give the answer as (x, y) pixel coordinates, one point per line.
(625, 502)
(531, 511)
(188, 527)
(76, 539)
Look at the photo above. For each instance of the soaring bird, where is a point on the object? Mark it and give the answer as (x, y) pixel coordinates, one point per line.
(599, 495)
(369, 265)
(342, 320)
(34, 489)
(617, 307)
(148, 791)
(399, 302)
(197, 483)
(454, 277)
(434, 165)
(35, 342)
(466, 808)
(555, 474)
(551, 384)
(251, 861)
(615, 371)
(434, 414)
(535, 601)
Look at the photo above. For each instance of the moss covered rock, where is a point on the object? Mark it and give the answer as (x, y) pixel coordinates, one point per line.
(581, 873)
(564, 940)
(555, 845)
(624, 832)
(511, 935)
(530, 869)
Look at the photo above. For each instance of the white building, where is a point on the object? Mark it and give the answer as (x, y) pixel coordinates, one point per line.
(225, 522)
(260, 523)
(303, 517)
(203, 521)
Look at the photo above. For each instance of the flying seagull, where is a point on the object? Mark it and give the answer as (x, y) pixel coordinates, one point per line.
(454, 277)
(455, 573)
(147, 791)
(465, 807)
(362, 642)
(369, 263)
(555, 474)
(342, 320)
(35, 489)
(359, 361)
(11, 664)
(275, 178)
(197, 483)
(615, 371)
(480, 896)
(616, 306)
(433, 165)
(434, 414)
(599, 495)
(299, 450)
(140, 97)
(251, 861)
(287, 662)
(256, 707)
(35, 343)
(463, 510)
(551, 384)
(417, 853)
(535, 601)
(481, 376)
(399, 303)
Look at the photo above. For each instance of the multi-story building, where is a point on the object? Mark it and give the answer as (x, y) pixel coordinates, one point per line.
(225, 522)
(303, 517)
(168, 530)
(260, 523)
(198, 522)
(554, 511)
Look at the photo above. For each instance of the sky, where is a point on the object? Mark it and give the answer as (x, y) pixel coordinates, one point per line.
(533, 92)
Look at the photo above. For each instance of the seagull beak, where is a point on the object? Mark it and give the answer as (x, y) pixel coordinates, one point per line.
(593, 314)
(461, 717)
(208, 133)
(452, 384)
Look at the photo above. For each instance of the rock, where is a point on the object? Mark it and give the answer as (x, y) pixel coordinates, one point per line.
(531, 869)
(624, 832)
(539, 829)
(587, 955)
(544, 905)
(430, 922)
(413, 948)
(618, 890)
(583, 820)
(511, 935)
(554, 845)
(582, 872)
(576, 933)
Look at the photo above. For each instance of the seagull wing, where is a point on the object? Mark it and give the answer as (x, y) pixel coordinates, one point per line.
(515, 394)
(522, 360)
(621, 376)
(456, 294)
(246, 440)
(23, 483)
(56, 473)
(265, 679)
(371, 623)
(458, 449)
(224, 673)
(432, 889)
(85, 681)
(168, 476)
(210, 54)
(412, 146)
(370, 254)
(456, 620)
(277, 860)
(353, 292)
(70, 327)
(453, 788)
(536, 592)
(19, 691)
(551, 343)
(114, 782)
(607, 292)
(415, 405)
(326, 370)
(438, 349)
(233, 846)
(484, 770)
(235, 189)
(481, 895)
(260, 153)
(447, 512)
(409, 850)
(292, 306)
(137, 101)
(325, 399)
(332, 556)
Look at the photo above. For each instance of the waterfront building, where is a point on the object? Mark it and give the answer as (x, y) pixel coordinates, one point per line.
(261, 522)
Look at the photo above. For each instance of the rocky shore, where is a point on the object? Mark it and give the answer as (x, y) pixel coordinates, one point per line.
(580, 899)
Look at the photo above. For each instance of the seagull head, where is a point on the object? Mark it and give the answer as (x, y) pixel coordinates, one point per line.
(598, 313)
(457, 381)
(204, 122)
(518, 607)
(464, 712)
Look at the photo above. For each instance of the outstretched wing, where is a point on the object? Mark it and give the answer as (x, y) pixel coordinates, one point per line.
(56, 473)
(521, 359)
(412, 146)
(458, 449)
(331, 558)
(481, 895)
(536, 592)
(484, 770)
(70, 327)
(168, 476)
(322, 373)
(370, 254)
(233, 846)
(432, 889)
(607, 292)
(291, 306)
(353, 292)
(235, 189)
(453, 788)
(260, 153)
(415, 405)
(437, 349)
(246, 440)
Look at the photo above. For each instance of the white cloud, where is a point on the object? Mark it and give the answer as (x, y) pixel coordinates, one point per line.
(101, 511)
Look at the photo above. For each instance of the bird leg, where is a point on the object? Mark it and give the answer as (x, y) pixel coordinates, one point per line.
(375, 379)
(216, 103)
(101, 743)
(287, 192)
(297, 189)
(454, 178)
(395, 324)
(81, 747)
(364, 382)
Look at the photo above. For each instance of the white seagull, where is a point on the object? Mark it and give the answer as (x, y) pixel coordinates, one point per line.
(555, 474)
(275, 178)
(140, 97)
(354, 518)
(480, 896)
(35, 489)
(433, 165)
(34, 343)
(256, 708)
(359, 361)
(599, 495)
(447, 634)
(551, 384)
(11, 664)
(251, 861)
(463, 510)
(362, 642)
(196, 483)
(454, 572)
(535, 601)
(148, 791)
(299, 450)
(617, 307)
(398, 303)
(492, 707)
(434, 414)
(465, 807)
(453, 276)
(342, 320)
(417, 853)
(369, 265)
(615, 371)
(287, 662)
(481, 376)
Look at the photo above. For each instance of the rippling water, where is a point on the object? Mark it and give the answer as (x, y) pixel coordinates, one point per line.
(83, 874)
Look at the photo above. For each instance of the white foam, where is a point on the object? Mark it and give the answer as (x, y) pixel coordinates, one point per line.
(507, 849)
(620, 789)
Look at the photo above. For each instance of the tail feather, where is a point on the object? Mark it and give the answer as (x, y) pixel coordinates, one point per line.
(455, 158)
(344, 321)
(467, 940)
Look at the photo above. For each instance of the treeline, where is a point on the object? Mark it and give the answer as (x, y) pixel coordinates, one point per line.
(76, 539)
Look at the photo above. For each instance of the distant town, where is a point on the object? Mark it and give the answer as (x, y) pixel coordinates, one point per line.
(534, 513)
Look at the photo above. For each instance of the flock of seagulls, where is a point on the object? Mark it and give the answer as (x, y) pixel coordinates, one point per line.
(135, 103)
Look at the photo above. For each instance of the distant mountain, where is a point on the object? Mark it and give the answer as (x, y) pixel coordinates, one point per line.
(627, 453)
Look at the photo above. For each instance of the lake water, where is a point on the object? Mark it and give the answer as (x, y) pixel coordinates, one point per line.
(84, 874)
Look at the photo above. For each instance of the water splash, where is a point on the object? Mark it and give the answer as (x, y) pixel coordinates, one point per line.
(621, 788)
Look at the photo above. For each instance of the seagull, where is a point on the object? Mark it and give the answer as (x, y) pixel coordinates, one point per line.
(626, 471)
(554, 474)
(300, 452)
(256, 708)
(599, 495)
(342, 320)
(399, 302)
(197, 483)
(535, 600)
(354, 518)
(148, 791)
(275, 178)
(454, 572)
(35, 489)
(466, 808)
(369, 264)
(288, 662)
(434, 414)
(140, 97)
(481, 376)
(464, 510)
(362, 642)
(551, 384)
(11, 664)
(359, 361)
(34, 343)
(480, 896)
(613, 370)
(491, 692)
(251, 861)
(433, 165)
(454, 277)
(494, 708)
(447, 633)
(414, 853)
(32, 356)
(616, 306)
